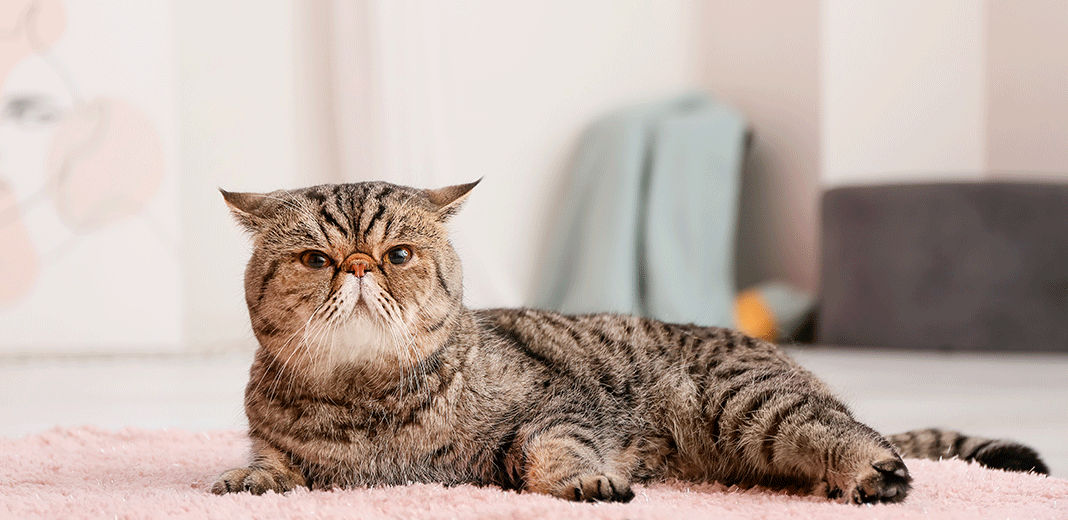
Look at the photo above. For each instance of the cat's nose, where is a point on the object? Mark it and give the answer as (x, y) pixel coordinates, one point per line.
(358, 264)
(359, 268)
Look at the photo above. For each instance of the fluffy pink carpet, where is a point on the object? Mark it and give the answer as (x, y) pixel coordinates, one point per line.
(91, 473)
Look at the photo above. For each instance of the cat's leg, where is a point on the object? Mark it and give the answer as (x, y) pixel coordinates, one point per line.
(270, 470)
(815, 437)
(771, 422)
(572, 463)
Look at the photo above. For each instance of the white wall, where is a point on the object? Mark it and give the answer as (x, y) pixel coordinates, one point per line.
(238, 131)
(944, 90)
(903, 90)
(1027, 93)
(501, 90)
(766, 62)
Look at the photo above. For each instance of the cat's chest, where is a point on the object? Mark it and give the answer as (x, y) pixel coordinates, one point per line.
(392, 451)
(431, 438)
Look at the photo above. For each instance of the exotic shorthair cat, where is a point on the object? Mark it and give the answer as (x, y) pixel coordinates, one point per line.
(371, 371)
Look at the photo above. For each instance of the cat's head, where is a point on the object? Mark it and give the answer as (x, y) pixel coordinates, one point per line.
(351, 273)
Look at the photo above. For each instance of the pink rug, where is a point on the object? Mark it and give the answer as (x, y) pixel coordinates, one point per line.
(92, 473)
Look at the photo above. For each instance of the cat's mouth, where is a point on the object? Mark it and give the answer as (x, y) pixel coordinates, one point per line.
(363, 292)
(363, 308)
(361, 298)
(363, 304)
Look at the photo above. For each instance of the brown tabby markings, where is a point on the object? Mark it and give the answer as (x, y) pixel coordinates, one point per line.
(387, 378)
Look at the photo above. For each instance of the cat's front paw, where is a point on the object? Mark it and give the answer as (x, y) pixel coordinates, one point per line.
(595, 488)
(885, 480)
(254, 480)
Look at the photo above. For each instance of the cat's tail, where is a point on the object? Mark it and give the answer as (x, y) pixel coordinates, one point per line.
(938, 444)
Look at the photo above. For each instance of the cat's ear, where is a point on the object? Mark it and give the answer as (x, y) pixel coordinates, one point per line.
(250, 209)
(447, 200)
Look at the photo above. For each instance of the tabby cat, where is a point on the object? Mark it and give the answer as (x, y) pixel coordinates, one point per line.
(371, 371)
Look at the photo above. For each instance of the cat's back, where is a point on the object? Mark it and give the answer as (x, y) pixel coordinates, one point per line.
(568, 337)
(574, 339)
(614, 347)
(635, 352)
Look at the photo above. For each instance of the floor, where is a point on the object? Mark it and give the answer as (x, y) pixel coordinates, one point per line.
(1015, 396)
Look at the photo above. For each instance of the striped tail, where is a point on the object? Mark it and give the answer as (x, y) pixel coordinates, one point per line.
(938, 444)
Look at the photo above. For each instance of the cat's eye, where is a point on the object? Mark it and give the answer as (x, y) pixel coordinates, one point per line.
(398, 255)
(315, 259)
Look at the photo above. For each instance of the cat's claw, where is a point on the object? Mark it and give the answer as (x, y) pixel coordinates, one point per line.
(596, 488)
(255, 481)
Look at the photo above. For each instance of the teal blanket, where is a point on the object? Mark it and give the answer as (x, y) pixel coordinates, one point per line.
(647, 225)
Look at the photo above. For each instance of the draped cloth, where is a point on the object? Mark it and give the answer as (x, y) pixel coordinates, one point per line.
(647, 224)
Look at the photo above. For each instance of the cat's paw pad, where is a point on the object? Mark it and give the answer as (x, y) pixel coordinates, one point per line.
(596, 488)
(883, 481)
(254, 480)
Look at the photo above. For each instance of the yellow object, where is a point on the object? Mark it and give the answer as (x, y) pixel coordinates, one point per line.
(752, 316)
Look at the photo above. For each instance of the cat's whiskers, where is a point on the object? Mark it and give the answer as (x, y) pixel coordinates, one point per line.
(386, 316)
(336, 318)
(316, 340)
(322, 356)
(392, 315)
(326, 329)
(332, 327)
(300, 330)
(414, 363)
(302, 345)
(377, 304)
(410, 348)
(403, 372)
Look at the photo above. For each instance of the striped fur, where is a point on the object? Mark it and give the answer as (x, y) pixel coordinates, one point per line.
(937, 444)
(389, 378)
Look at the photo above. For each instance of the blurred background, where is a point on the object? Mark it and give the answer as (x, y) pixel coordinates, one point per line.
(881, 184)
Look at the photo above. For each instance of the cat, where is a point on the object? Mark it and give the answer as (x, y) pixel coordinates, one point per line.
(371, 371)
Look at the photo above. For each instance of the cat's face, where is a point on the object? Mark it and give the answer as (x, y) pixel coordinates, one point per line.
(351, 273)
